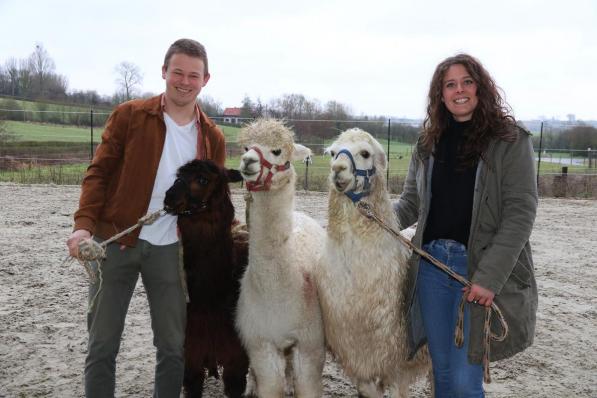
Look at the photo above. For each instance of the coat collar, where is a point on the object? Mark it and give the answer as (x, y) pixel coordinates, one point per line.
(422, 152)
(155, 106)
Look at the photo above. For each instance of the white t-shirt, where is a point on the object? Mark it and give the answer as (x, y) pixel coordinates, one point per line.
(180, 147)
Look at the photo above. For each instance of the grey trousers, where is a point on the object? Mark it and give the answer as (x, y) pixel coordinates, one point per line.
(158, 266)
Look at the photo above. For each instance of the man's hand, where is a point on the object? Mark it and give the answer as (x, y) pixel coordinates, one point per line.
(73, 242)
(479, 295)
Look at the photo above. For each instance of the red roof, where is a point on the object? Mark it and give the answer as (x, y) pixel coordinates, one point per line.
(232, 112)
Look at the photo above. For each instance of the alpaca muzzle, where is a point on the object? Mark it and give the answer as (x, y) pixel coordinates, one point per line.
(356, 173)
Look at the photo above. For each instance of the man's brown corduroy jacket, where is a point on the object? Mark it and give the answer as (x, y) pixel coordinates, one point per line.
(119, 181)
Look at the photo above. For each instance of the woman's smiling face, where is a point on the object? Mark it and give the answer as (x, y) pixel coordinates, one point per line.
(459, 93)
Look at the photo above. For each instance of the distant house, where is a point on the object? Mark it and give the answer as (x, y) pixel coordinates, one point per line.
(231, 115)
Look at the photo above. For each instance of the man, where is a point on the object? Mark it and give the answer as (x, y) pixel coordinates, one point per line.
(144, 143)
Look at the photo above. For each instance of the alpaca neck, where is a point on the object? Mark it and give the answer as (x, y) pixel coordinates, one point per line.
(207, 238)
(270, 213)
(211, 226)
(208, 263)
(270, 229)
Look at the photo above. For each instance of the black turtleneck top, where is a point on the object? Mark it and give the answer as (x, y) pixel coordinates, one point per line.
(452, 188)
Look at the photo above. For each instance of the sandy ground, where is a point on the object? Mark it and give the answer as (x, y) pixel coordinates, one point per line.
(43, 305)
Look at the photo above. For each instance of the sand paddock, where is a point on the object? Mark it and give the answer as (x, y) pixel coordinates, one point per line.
(43, 305)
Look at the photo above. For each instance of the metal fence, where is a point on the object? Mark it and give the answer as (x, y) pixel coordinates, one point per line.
(32, 151)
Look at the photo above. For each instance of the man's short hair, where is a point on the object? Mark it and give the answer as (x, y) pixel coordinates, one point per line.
(189, 47)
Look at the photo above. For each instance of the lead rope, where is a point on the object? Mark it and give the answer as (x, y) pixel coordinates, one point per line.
(90, 250)
(367, 211)
(248, 200)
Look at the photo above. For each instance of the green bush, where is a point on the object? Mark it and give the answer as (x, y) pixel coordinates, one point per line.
(5, 135)
(11, 110)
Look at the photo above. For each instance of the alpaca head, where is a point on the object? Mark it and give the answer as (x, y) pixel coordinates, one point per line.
(357, 160)
(269, 150)
(199, 184)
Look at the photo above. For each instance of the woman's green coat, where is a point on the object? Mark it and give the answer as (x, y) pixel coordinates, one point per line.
(499, 252)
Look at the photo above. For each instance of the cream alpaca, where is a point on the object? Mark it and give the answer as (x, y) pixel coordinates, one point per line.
(362, 275)
(278, 314)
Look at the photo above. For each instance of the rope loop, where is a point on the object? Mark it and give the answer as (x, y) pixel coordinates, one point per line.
(90, 250)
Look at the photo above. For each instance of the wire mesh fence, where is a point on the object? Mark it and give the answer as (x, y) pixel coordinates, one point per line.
(36, 151)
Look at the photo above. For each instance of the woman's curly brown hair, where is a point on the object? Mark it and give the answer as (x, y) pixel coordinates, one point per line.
(491, 117)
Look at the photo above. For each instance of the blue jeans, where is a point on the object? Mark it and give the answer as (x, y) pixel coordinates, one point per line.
(439, 297)
(158, 267)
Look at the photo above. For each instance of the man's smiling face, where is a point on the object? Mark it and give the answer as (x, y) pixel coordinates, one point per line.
(185, 77)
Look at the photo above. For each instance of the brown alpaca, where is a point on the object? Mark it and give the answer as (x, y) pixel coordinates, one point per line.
(214, 262)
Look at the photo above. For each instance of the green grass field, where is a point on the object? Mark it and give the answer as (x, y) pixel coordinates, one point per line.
(50, 136)
(66, 174)
(44, 132)
(27, 131)
(34, 137)
(230, 133)
(47, 112)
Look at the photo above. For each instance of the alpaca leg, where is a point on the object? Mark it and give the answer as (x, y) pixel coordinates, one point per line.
(289, 376)
(194, 371)
(403, 378)
(251, 388)
(268, 366)
(193, 381)
(369, 389)
(235, 373)
(307, 366)
(430, 381)
(400, 388)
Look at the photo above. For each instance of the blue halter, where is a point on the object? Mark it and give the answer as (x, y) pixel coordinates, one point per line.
(355, 197)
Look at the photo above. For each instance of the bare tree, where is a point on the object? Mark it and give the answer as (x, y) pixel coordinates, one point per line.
(335, 110)
(209, 105)
(129, 79)
(55, 87)
(25, 77)
(248, 107)
(259, 109)
(42, 66)
(11, 67)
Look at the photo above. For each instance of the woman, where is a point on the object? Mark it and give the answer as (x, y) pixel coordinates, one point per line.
(471, 187)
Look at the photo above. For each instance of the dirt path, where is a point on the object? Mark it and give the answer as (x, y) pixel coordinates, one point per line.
(43, 305)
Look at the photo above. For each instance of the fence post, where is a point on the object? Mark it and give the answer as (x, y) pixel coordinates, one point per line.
(560, 183)
(307, 161)
(389, 136)
(540, 150)
(306, 187)
(91, 143)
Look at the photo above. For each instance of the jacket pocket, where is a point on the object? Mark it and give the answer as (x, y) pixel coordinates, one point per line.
(521, 275)
(490, 215)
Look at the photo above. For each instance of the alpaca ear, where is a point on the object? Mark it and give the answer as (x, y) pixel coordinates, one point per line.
(380, 157)
(233, 175)
(381, 160)
(300, 152)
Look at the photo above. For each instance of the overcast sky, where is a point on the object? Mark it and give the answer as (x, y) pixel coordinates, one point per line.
(375, 56)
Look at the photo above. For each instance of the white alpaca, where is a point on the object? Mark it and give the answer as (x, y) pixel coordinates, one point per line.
(362, 274)
(278, 313)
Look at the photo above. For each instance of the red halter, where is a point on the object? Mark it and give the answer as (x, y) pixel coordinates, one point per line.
(259, 185)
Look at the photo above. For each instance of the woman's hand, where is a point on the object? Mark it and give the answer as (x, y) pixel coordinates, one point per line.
(479, 295)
